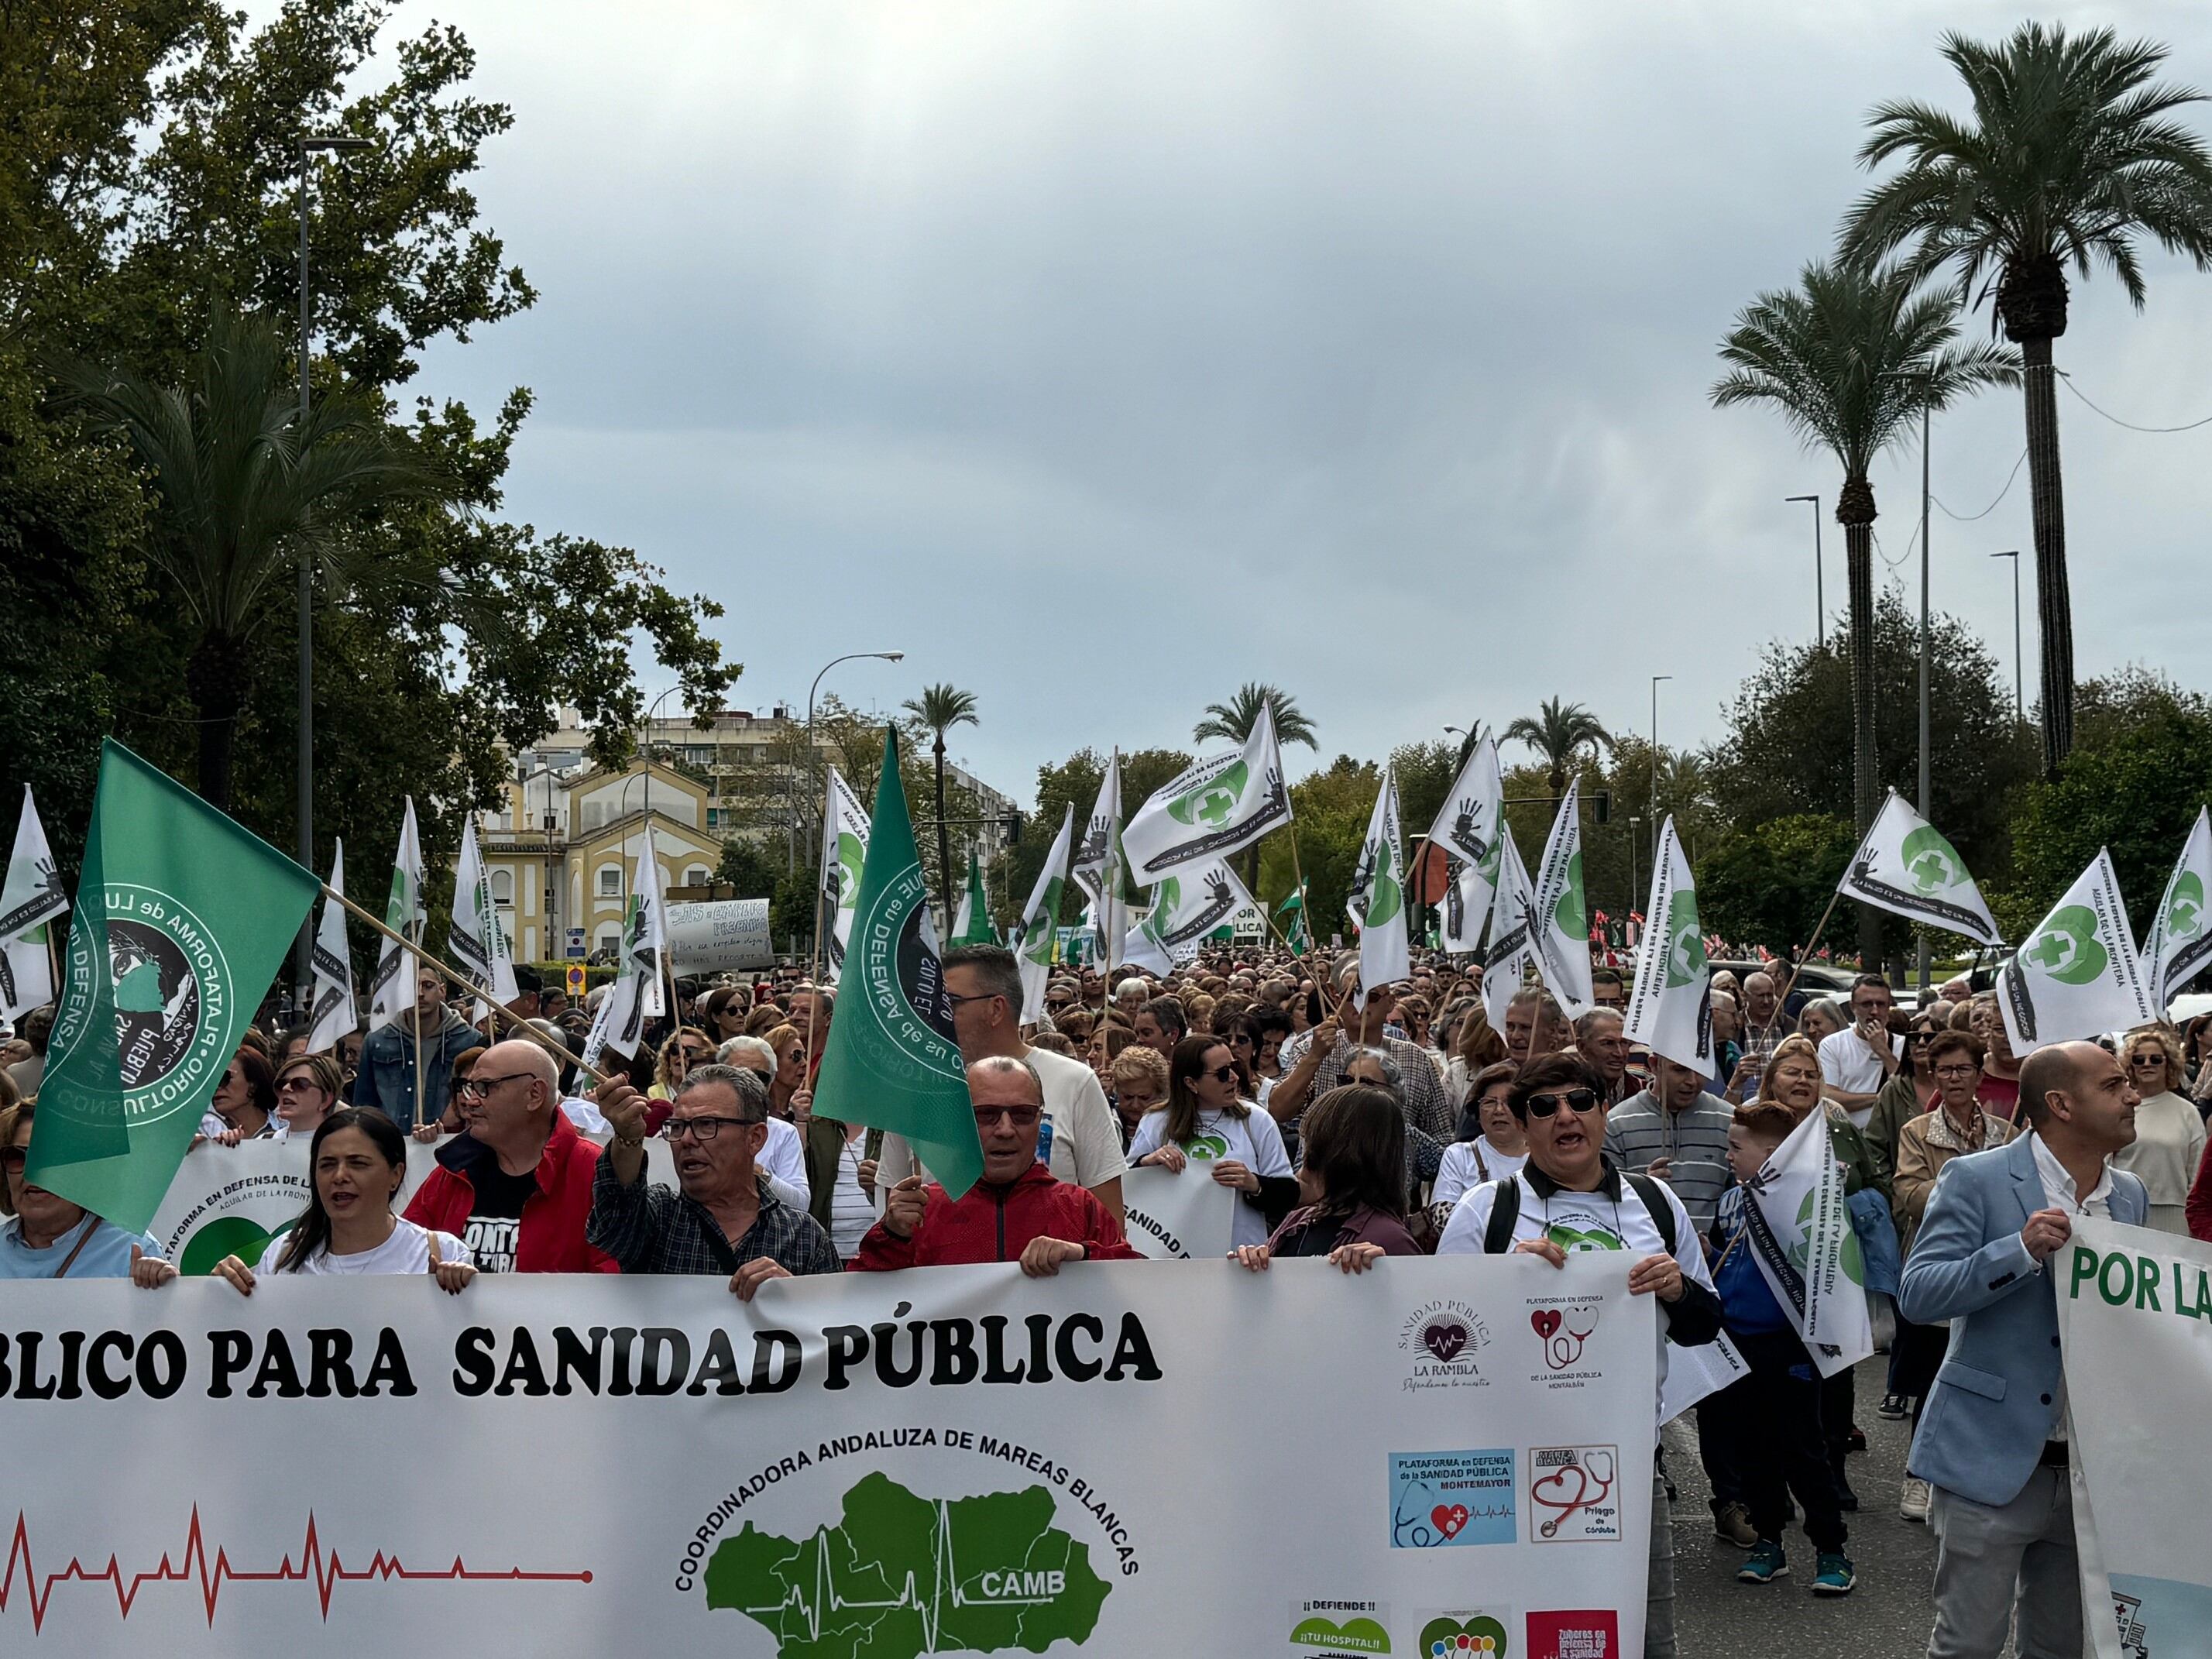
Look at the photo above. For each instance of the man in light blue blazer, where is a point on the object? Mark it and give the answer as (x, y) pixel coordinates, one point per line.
(1992, 1439)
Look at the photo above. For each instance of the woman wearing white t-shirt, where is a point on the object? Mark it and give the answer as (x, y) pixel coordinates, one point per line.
(359, 1161)
(1496, 1149)
(1204, 1120)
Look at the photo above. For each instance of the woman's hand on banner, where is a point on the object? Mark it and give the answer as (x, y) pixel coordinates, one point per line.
(1231, 1173)
(1656, 1275)
(148, 1270)
(1356, 1258)
(1544, 1248)
(452, 1277)
(1253, 1258)
(239, 1275)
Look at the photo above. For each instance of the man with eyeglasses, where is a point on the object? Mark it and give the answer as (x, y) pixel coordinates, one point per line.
(1571, 1197)
(1018, 1212)
(516, 1183)
(723, 1217)
(1076, 1138)
(1856, 1063)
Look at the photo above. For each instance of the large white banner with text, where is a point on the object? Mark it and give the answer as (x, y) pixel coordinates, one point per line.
(2135, 1318)
(1127, 1458)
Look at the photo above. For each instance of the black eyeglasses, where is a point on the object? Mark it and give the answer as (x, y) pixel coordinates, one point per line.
(702, 1128)
(981, 996)
(1582, 1100)
(481, 1087)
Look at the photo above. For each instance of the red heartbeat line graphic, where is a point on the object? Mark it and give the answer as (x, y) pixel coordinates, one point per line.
(323, 1571)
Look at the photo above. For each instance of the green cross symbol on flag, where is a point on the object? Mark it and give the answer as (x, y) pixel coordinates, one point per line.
(2067, 948)
(2185, 916)
(1933, 863)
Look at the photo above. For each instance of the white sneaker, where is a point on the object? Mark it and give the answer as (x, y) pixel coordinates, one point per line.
(1913, 1504)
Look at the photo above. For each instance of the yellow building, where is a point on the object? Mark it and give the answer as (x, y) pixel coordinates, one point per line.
(561, 853)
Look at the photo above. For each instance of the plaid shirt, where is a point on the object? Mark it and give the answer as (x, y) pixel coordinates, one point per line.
(649, 1229)
(1428, 1107)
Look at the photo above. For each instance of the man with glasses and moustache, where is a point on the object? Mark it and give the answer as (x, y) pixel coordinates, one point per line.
(1018, 1212)
(1571, 1197)
(723, 1217)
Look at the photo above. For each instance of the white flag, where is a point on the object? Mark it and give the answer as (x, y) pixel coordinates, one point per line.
(1041, 920)
(1558, 920)
(392, 993)
(844, 849)
(1100, 865)
(336, 1013)
(1211, 809)
(1672, 1007)
(1506, 963)
(2078, 974)
(1378, 899)
(1468, 828)
(1904, 866)
(1802, 1241)
(475, 939)
(1185, 910)
(30, 898)
(620, 1022)
(2179, 944)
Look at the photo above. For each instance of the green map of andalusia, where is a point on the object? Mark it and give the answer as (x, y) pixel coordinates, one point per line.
(901, 1576)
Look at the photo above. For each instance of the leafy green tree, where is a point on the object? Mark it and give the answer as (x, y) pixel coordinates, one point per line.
(2135, 782)
(245, 492)
(2071, 156)
(1561, 731)
(1848, 359)
(1770, 884)
(1329, 812)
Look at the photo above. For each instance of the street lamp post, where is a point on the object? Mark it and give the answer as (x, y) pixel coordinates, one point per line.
(1655, 678)
(2019, 685)
(303, 949)
(1634, 887)
(1926, 375)
(1819, 597)
(791, 859)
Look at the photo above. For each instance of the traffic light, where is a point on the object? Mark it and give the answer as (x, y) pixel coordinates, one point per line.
(1602, 800)
(1013, 828)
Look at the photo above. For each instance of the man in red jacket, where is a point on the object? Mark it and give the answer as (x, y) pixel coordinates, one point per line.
(1018, 1211)
(516, 1183)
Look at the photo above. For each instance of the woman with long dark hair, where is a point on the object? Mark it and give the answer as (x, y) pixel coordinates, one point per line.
(1205, 1121)
(245, 1103)
(358, 1163)
(1352, 1186)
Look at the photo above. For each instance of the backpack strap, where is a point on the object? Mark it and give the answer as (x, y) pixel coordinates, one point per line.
(1505, 1212)
(1663, 1213)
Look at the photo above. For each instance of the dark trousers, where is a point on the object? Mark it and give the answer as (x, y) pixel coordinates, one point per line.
(1838, 1400)
(1774, 1416)
(1717, 1448)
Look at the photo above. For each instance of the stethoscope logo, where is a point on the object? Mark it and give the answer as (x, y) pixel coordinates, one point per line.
(1563, 1343)
(1573, 1488)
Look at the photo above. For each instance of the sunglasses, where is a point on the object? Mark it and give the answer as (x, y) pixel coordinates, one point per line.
(987, 1117)
(1582, 1100)
(14, 1158)
(1221, 1073)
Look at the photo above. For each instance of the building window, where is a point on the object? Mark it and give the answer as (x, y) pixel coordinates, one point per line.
(502, 887)
(697, 875)
(610, 939)
(611, 881)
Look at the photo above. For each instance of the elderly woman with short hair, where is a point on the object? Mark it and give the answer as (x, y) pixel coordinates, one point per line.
(2169, 1143)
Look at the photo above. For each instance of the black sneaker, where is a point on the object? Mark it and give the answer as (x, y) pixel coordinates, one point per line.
(1894, 1408)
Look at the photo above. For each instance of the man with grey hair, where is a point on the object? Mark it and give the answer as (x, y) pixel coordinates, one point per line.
(724, 1217)
(1600, 1038)
(1018, 1212)
(784, 1156)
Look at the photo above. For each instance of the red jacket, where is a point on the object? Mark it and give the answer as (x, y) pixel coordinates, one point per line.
(551, 1239)
(993, 1224)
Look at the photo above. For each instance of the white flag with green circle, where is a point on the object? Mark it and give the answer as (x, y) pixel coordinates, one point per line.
(1671, 1008)
(1211, 809)
(1468, 828)
(2179, 944)
(1378, 899)
(1558, 917)
(1904, 866)
(1041, 920)
(844, 850)
(2078, 976)
(475, 939)
(1100, 863)
(31, 897)
(1509, 956)
(335, 1014)
(392, 993)
(1186, 911)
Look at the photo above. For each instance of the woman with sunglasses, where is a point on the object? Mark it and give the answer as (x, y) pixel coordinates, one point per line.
(358, 1161)
(789, 1080)
(2169, 1143)
(308, 1088)
(45, 1237)
(1205, 1122)
(245, 1103)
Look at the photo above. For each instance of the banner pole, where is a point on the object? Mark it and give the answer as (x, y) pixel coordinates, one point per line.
(1305, 914)
(418, 1032)
(1819, 928)
(515, 1021)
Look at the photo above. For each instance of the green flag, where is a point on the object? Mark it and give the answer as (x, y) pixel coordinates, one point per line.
(182, 919)
(973, 924)
(892, 1063)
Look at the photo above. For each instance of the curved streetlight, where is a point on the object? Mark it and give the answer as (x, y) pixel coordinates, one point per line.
(791, 853)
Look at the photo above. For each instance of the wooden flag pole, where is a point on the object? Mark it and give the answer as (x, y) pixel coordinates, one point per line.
(515, 1021)
(418, 1027)
(1305, 916)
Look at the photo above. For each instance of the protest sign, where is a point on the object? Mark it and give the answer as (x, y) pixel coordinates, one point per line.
(955, 1460)
(239, 1200)
(1178, 1215)
(723, 936)
(2135, 1323)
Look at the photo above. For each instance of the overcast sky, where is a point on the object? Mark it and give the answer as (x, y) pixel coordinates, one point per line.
(1103, 356)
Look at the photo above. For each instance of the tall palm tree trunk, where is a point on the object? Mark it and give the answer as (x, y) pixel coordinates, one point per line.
(943, 839)
(2054, 603)
(1854, 510)
(214, 680)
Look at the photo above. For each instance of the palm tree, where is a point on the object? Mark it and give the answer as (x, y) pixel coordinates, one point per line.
(2069, 155)
(941, 707)
(1559, 732)
(1232, 721)
(243, 492)
(1848, 358)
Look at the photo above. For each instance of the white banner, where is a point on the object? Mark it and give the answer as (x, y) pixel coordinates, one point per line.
(879, 1465)
(1802, 1239)
(237, 1200)
(1212, 808)
(1671, 1010)
(1558, 915)
(2180, 943)
(1906, 867)
(724, 936)
(1467, 827)
(1178, 1215)
(2135, 1319)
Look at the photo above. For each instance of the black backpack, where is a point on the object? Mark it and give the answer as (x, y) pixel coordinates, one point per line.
(1505, 1211)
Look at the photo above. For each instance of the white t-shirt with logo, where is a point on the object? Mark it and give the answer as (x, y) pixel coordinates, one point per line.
(1085, 1147)
(1253, 1140)
(407, 1251)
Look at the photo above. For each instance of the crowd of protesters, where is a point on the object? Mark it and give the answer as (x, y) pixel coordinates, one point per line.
(1351, 1122)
